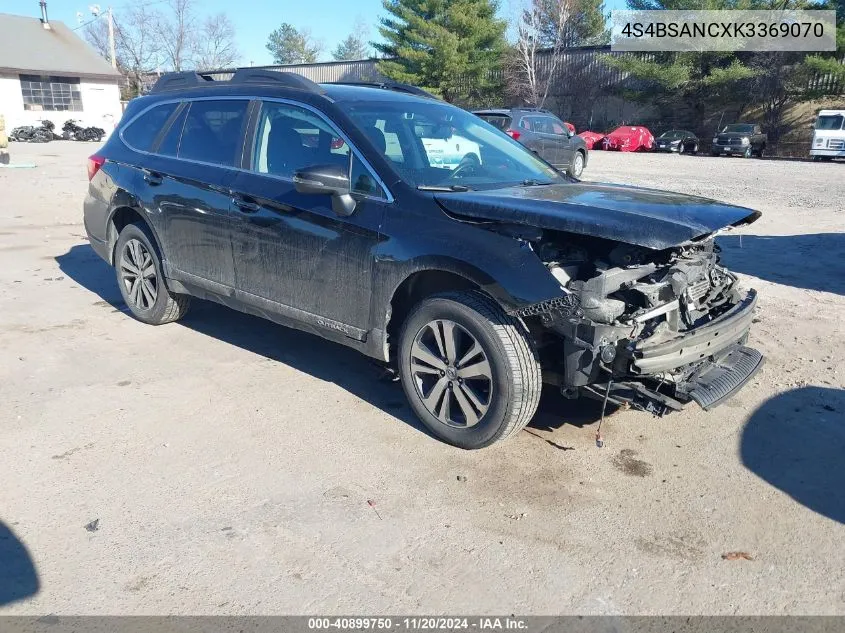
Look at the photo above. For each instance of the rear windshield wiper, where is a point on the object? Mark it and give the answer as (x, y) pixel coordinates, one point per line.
(443, 188)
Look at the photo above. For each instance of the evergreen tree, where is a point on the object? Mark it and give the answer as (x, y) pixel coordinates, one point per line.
(290, 46)
(446, 46)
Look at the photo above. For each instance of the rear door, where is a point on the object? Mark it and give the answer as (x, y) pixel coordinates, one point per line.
(186, 184)
(293, 254)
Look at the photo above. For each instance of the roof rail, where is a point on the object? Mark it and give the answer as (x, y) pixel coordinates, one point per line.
(239, 76)
(388, 85)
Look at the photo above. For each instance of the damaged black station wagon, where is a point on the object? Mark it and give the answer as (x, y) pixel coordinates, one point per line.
(417, 233)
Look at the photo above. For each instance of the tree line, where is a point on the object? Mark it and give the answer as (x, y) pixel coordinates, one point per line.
(460, 50)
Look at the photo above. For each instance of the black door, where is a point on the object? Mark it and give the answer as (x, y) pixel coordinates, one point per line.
(293, 253)
(186, 184)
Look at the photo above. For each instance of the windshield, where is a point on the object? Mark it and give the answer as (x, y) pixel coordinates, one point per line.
(435, 145)
(830, 122)
(672, 134)
(740, 128)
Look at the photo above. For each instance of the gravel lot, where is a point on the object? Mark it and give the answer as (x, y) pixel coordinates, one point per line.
(229, 461)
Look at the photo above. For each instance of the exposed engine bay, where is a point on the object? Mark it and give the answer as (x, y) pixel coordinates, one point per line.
(642, 327)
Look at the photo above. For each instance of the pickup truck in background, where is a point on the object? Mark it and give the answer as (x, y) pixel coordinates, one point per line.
(745, 139)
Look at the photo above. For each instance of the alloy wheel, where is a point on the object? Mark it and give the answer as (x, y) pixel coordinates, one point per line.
(138, 274)
(451, 373)
(578, 165)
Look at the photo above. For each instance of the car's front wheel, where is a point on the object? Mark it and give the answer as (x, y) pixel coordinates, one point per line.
(469, 370)
(139, 274)
(577, 167)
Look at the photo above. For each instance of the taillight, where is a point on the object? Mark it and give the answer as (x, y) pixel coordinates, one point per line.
(94, 164)
(513, 134)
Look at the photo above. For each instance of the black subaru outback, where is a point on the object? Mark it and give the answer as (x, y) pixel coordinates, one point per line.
(424, 237)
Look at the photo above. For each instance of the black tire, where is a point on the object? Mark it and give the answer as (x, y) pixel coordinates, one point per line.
(167, 306)
(515, 376)
(694, 149)
(681, 148)
(760, 151)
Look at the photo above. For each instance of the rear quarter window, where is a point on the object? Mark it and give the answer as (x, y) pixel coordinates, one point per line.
(142, 132)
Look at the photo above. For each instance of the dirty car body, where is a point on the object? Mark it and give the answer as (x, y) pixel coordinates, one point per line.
(322, 208)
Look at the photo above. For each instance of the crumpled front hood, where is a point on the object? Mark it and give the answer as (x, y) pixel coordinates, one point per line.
(632, 215)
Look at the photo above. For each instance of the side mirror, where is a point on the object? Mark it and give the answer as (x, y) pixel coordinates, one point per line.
(330, 180)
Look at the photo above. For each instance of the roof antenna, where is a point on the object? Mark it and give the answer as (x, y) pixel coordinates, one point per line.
(44, 22)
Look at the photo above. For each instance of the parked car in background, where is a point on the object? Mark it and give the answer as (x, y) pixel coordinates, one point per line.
(829, 135)
(744, 139)
(680, 141)
(476, 282)
(592, 139)
(629, 138)
(544, 133)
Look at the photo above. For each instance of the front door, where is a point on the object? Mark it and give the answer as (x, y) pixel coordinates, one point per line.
(556, 140)
(293, 253)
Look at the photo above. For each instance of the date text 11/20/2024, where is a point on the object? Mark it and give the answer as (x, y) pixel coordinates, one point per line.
(418, 624)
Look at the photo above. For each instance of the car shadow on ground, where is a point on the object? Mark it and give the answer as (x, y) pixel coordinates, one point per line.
(18, 577)
(330, 362)
(795, 441)
(813, 261)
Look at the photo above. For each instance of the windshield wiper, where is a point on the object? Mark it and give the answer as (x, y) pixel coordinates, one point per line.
(534, 183)
(443, 188)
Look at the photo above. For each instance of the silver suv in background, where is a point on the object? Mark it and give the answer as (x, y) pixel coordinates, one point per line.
(544, 134)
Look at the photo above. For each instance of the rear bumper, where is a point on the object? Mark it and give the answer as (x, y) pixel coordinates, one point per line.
(729, 149)
(705, 342)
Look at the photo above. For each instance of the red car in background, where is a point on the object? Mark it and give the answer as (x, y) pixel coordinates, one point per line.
(629, 138)
(592, 139)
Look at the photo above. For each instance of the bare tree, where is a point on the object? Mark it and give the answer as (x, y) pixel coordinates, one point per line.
(177, 34)
(534, 59)
(136, 42)
(216, 44)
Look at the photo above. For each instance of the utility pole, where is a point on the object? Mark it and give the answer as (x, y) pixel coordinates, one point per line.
(111, 40)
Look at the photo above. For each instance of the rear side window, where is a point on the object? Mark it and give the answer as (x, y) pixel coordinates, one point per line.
(212, 131)
(142, 132)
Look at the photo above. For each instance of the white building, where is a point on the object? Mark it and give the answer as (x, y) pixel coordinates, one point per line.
(48, 72)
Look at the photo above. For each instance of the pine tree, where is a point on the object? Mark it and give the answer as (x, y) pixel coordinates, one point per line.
(290, 46)
(353, 47)
(448, 47)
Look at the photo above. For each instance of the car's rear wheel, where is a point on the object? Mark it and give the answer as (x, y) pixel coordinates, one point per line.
(469, 370)
(139, 275)
(694, 149)
(577, 167)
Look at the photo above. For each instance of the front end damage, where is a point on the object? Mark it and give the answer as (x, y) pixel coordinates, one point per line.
(649, 329)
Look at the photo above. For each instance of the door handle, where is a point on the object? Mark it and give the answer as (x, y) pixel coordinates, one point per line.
(244, 205)
(151, 177)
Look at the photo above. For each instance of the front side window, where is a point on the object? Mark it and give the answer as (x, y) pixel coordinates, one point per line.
(444, 146)
(290, 138)
(212, 131)
(142, 132)
(42, 93)
(830, 122)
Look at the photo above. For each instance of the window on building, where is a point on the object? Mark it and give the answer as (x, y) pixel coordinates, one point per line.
(51, 93)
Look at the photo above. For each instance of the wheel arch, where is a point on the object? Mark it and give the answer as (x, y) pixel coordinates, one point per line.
(119, 218)
(421, 283)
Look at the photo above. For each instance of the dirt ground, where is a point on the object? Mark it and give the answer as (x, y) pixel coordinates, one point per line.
(224, 464)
